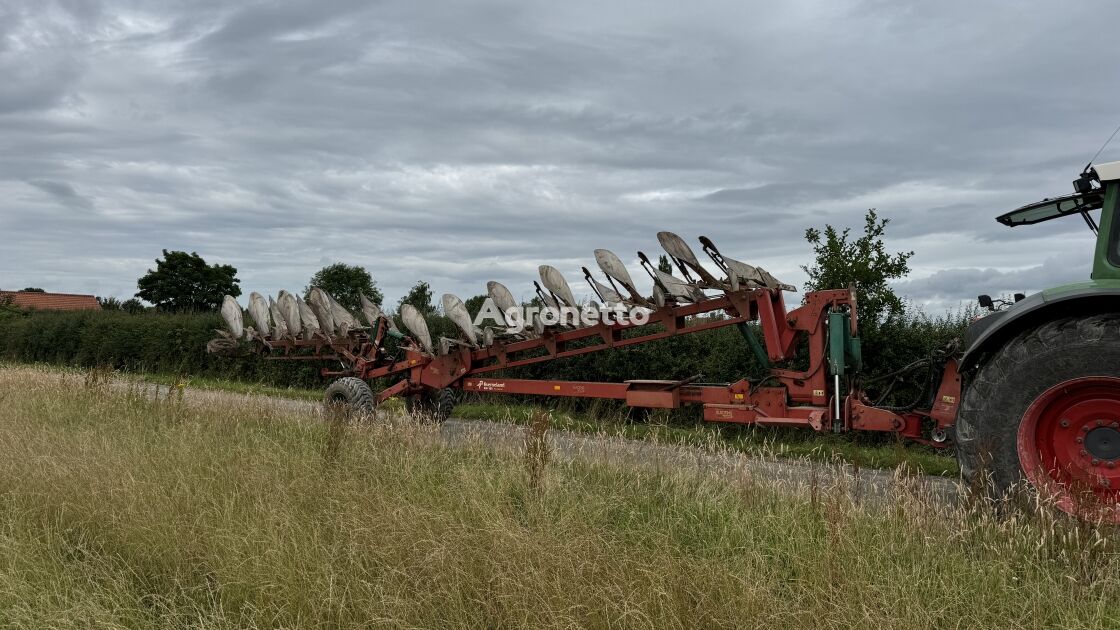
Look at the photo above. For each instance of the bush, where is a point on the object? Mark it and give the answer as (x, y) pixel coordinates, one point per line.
(906, 340)
(150, 341)
(174, 343)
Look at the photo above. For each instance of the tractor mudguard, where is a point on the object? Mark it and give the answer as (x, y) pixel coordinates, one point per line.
(988, 333)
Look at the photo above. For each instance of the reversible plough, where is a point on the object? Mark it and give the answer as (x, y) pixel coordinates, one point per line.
(822, 392)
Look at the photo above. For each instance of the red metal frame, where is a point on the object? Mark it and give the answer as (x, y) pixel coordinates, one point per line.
(800, 397)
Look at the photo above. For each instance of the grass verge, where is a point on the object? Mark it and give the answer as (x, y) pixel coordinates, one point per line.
(237, 387)
(773, 441)
(120, 510)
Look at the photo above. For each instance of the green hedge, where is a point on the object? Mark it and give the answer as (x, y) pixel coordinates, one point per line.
(175, 344)
(146, 342)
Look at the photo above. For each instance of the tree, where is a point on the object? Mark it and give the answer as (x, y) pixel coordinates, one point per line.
(32, 290)
(474, 304)
(134, 306)
(346, 283)
(663, 264)
(420, 296)
(863, 262)
(184, 282)
(892, 335)
(109, 303)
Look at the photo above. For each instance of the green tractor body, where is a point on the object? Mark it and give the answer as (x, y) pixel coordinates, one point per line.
(1041, 404)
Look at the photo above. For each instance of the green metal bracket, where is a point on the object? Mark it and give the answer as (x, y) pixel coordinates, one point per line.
(844, 351)
(756, 347)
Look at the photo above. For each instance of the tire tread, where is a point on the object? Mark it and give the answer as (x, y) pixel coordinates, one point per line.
(359, 397)
(985, 421)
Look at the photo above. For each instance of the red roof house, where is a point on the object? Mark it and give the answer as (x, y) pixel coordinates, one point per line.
(50, 301)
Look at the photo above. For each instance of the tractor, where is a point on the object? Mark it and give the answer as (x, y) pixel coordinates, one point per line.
(1041, 395)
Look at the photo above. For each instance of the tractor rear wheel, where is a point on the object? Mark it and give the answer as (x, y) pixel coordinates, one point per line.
(351, 394)
(1046, 409)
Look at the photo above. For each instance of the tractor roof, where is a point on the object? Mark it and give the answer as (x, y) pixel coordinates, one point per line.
(1107, 171)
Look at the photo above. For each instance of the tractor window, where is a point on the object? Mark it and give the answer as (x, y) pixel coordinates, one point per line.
(1053, 208)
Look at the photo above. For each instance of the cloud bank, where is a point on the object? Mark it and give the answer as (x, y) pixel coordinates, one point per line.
(463, 142)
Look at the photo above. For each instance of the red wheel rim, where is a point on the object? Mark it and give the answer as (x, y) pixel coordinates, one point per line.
(1069, 446)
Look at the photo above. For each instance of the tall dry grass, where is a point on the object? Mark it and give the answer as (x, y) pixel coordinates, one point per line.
(118, 509)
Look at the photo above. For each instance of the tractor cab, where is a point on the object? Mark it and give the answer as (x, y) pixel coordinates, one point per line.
(1095, 189)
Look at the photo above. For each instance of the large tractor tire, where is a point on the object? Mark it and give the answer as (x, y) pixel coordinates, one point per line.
(351, 394)
(436, 406)
(1046, 409)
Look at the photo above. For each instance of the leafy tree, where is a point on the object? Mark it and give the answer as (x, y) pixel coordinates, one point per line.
(893, 335)
(131, 305)
(863, 262)
(134, 306)
(184, 282)
(346, 283)
(474, 304)
(420, 296)
(32, 290)
(663, 264)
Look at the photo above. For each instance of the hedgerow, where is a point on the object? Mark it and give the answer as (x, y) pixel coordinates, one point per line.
(174, 343)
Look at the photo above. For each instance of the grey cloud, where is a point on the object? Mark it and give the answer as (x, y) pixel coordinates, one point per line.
(481, 139)
(39, 63)
(785, 194)
(949, 286)
(63, 192)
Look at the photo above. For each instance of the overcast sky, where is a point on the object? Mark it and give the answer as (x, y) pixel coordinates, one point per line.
(460, 142)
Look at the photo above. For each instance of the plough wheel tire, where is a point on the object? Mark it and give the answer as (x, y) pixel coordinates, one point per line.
(1046, 409)
(351, 393)
(445, 401)
(638, 415)
(435, 406)
(417, 406)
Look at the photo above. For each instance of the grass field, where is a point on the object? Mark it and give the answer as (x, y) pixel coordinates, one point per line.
(781, 442)
(118, 510)
(772, 441)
